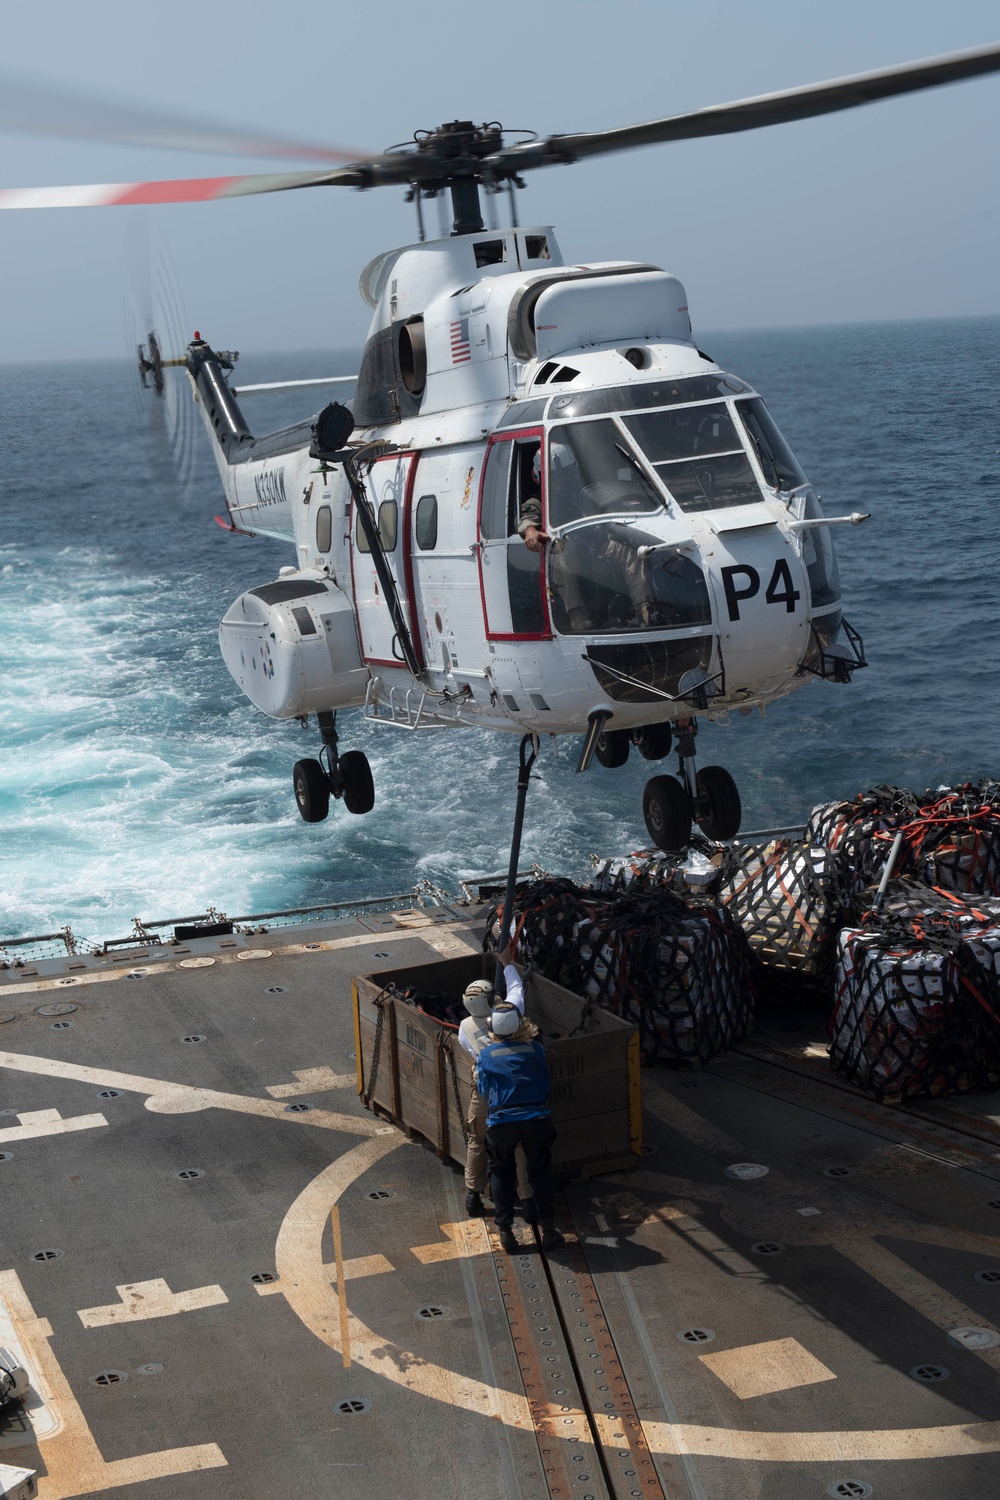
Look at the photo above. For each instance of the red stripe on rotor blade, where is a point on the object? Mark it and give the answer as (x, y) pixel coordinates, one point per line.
(181, 190)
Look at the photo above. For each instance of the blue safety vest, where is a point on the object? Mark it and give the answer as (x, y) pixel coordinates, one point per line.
(514, 1077)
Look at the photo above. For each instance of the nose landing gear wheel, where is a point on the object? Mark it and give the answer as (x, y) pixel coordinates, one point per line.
(653, 741)
(359, 786)
(312, 790)
(612, 748)
(718, 809)
(667, 812)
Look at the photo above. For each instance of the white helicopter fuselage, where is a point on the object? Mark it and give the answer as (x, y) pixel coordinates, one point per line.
(687, 568)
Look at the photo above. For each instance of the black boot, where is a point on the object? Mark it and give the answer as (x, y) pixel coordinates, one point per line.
(474, 1204)
(508, 1241)
(552, 1238)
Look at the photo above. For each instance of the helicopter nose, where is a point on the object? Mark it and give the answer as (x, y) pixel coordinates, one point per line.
(762, 603)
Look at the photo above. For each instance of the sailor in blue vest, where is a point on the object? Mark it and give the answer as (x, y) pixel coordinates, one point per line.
(513, 1077)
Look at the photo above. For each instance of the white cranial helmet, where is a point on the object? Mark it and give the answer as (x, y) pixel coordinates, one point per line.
(505, 1019)
(478, 998)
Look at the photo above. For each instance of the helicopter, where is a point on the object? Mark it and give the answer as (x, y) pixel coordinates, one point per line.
(544, 510)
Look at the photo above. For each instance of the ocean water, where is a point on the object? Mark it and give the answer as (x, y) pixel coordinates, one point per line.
(136, 781)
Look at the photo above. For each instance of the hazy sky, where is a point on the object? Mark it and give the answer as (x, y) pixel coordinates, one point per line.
(889, 211)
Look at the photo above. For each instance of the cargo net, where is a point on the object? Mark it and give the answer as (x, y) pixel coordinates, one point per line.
(679, 970)
(917, 996)
(440, 1005)
(790, 898)
(951, 836)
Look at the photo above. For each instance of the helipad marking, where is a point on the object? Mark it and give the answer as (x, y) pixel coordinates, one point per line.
(150, 1299)
(762, 1369)
(358, 1266)
(452, 1248)
(167, 1098)
(299, 1261)
(919, 1292)
(311, 1081)
(39, 1122)
(72, 1458)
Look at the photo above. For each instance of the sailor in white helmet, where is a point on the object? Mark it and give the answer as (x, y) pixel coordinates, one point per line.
(474, 1034)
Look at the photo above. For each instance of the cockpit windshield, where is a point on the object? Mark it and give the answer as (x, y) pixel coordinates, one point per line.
(592, 472)
(697, 453)
(781, 469)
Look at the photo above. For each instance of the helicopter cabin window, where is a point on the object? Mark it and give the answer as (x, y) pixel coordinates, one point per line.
(697, 453)
(324, 528)
(536, 247)
(592, 472)
(387, 513)
(360, 539)
(426, 523)
(780, 466)
(490, 252)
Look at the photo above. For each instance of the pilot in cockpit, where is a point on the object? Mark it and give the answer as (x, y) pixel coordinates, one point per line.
(606, 551)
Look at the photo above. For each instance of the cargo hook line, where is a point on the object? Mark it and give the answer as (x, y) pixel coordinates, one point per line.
(527, 755)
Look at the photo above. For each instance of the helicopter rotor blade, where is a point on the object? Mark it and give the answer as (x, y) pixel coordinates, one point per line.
(31, 107)
(173, 190)
(765, 109)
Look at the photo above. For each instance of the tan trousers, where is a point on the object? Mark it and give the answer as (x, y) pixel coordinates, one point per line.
(476, 1176)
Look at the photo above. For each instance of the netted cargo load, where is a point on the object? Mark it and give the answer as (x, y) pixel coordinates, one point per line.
(680, 970)
(699, 867)
(951, 835)
(917, 996)
(789, 898)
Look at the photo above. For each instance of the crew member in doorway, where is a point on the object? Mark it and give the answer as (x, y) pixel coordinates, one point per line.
(513, 1077)
(529, 521)
(592, 566)
(474, 1035)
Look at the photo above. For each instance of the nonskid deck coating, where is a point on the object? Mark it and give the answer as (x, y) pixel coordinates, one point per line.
(567, 1375)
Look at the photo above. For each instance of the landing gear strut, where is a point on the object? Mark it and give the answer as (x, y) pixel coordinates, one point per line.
(708, 797)
(348, 776)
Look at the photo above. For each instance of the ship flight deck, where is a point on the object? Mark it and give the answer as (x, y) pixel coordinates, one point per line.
(226, 1278)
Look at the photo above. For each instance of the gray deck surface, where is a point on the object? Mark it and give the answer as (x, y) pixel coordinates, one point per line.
(564, 1376)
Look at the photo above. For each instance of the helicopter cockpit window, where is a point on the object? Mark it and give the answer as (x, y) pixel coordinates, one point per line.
(324, 528)
(387, 525)
(642, 395)
(524, 414)
(496, 489)
(820, 559)
(697, 453)
(781, 469)
(598, 582)
(360, 539)
(426, 524)
(592, 472)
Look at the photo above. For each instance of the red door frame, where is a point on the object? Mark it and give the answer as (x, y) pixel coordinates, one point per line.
(405, 532)
(510, 437)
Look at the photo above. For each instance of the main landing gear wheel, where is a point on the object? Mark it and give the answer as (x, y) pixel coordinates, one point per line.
(359, 786)
(667, 812)
(612, 748)
(718, 809)
(653, 741)
(312, 790)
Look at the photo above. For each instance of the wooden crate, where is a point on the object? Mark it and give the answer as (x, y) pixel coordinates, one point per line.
(420, 1066)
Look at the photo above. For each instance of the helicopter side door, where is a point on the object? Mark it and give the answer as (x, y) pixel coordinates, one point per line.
(511, 578)
(390, 490)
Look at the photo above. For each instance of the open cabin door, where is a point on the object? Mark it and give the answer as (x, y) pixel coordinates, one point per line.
(390, 490)
(512, 578)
